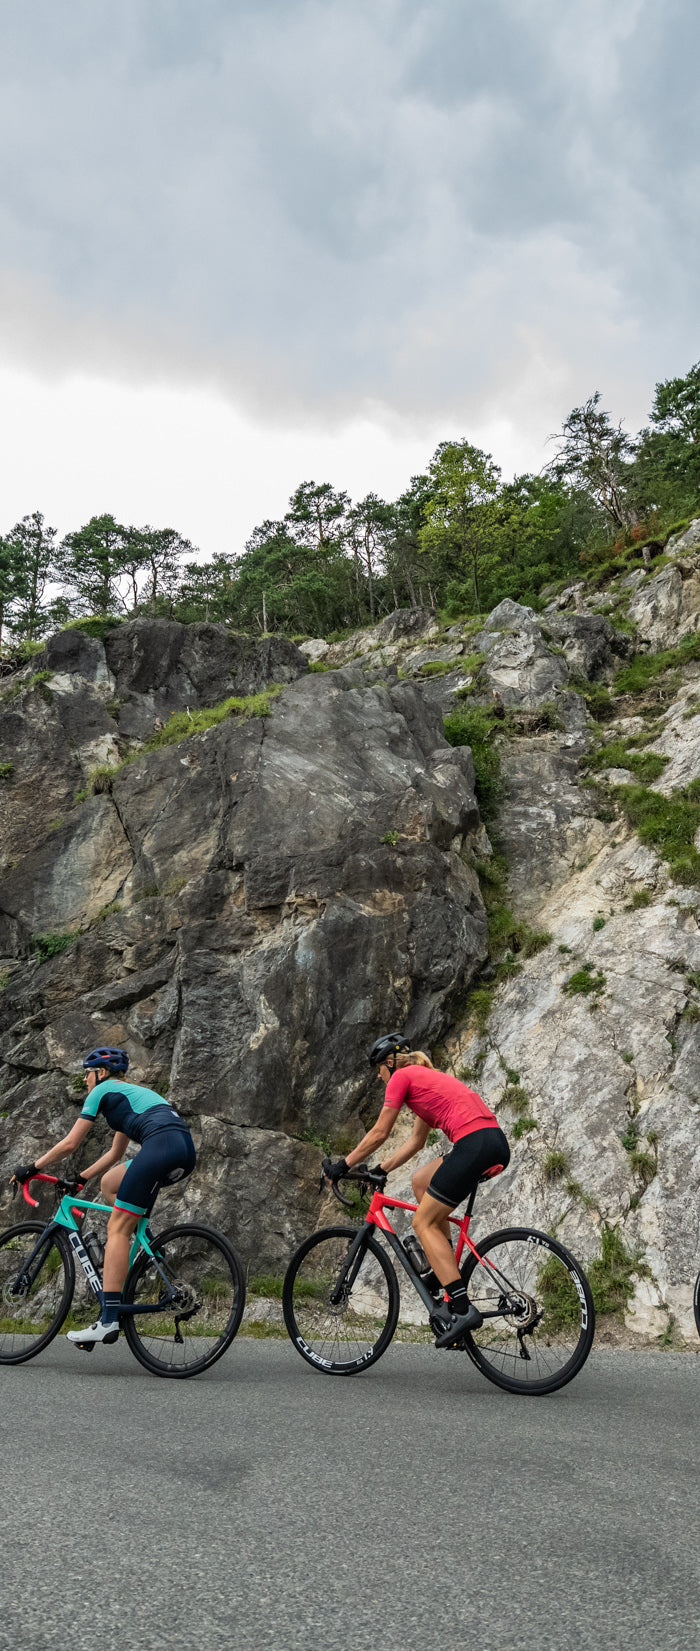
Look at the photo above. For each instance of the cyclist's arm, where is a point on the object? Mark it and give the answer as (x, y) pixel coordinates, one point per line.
(416, 1140)
(69, 1144)
(374, 1138)
(116, 1151)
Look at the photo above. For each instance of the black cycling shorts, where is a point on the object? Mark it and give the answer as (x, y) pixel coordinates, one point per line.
(462, 1168)
(166, 1156)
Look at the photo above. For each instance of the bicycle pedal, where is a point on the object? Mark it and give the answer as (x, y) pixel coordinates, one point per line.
(85, 1346)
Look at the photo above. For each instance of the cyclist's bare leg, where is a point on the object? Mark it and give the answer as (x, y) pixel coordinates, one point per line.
(120, 1227)
(111, 1182)
(431, 1226)
(420, 1183)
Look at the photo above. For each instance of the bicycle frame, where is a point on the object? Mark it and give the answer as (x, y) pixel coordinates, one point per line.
(376, 1217)
(67, 1219)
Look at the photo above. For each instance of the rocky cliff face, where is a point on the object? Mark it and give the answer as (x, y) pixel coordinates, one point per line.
(242, 907)
(252, 903)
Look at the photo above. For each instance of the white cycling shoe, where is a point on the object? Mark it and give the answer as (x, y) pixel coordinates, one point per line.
(92, 1334)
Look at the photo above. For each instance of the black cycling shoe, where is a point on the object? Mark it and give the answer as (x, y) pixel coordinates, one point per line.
(459, 1323)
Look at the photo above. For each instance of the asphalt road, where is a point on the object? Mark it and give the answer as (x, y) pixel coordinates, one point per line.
(266, 1506)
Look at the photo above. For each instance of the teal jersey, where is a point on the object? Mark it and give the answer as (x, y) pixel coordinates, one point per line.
(137, 1112)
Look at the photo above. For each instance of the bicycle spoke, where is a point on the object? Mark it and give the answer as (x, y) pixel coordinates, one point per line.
(336, 1324)
(34, 1292)
(543, 1321)
(202, 1302)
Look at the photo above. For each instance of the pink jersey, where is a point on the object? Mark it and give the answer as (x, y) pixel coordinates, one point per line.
(439, 1100)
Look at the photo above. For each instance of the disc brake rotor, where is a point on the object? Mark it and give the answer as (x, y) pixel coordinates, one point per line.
(522, 1312)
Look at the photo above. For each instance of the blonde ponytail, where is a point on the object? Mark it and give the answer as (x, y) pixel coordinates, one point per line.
(414, 1058)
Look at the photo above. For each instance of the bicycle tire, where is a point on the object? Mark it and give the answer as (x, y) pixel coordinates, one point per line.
(696, 1303)
(63, 1291)
(152, 1348)
(299, 1318)
(566, 1301)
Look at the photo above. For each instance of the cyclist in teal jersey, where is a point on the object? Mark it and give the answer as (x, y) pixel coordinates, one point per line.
(167, 1155)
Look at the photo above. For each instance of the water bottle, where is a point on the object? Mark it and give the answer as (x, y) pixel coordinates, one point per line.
(95, 1249)
(416, 1254)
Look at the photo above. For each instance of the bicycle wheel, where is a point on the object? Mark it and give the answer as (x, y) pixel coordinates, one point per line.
(344, 1337)
(696, 1303)
(33, 1304)
(192, 1332)
(546, 1320)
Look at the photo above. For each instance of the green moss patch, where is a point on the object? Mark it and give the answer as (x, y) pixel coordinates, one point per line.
(96, 625)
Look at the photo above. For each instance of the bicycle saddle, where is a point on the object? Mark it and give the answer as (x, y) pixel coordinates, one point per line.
(496, 1169)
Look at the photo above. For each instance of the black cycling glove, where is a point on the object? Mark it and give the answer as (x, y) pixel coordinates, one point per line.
(336, 1171)
(23, 1172)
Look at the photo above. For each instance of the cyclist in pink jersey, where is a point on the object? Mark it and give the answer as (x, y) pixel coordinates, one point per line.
(438, 1101)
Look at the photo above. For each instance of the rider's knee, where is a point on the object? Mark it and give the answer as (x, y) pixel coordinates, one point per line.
(419, 1223)
(121, 1221)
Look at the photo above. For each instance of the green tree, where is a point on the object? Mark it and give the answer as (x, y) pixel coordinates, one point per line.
(667, 462)
(206, 590)
(13, 583)
(158, 552)
(595, 455)
(34, 548)
(407, 564)
(369, 524)
(92, 560)
(460, 526)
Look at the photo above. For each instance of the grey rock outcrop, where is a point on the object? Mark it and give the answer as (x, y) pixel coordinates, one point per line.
(249, 904)
(519, 666)
(668, 607)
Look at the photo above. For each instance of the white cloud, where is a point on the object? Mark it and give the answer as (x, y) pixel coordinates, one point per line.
(342, 226)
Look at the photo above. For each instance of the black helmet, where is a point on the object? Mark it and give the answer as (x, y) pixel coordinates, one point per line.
(389, 1044)
(115, 1060)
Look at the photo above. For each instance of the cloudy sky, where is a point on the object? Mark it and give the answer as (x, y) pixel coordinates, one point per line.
(248, 244)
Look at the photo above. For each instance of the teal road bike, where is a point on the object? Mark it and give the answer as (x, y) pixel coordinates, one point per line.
(183, 1297)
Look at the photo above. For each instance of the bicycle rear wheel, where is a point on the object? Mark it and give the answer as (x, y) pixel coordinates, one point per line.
(34, 1298)
(342, 1337)
(546, 1320)
(192, 1332)
(696, 1303)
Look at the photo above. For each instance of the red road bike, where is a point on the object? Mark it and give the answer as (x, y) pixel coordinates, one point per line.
(341, 1297)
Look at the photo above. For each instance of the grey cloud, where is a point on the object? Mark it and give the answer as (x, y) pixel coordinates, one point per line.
(434, 205)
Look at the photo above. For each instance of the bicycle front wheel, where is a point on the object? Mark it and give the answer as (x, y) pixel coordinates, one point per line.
(544, 1320)
(193, 1330)
(696, 1303)
(340, 1327)
(35, 1295)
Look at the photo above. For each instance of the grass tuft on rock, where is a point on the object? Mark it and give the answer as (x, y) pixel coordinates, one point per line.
(50, 945)
(477, 728)
(636, 677)
(554, 1166)
(523, 1126)
(647, 765)
(668, 824)
(610, 1276)
(584, 982)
